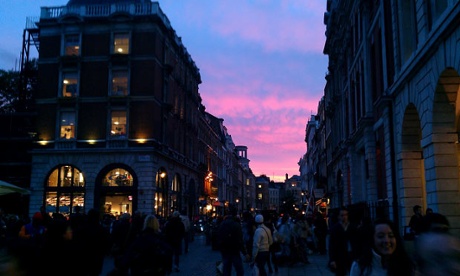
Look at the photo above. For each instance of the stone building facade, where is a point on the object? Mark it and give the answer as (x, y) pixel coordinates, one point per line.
(392, 107)
(120, 122)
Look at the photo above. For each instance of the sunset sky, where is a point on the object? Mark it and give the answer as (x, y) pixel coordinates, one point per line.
(261, 63)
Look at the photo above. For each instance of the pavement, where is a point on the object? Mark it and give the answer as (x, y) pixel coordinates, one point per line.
(201, 260)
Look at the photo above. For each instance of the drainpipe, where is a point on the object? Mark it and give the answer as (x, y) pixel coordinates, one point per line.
(393, 166)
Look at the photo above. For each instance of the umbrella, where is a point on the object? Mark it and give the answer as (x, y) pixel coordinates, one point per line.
(7, 188)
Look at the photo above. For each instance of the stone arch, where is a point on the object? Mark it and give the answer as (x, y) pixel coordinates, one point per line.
(443, 149)
(412, 177)
(116, 189)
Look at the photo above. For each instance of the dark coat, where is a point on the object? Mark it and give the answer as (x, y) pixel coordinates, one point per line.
(230, 237)
(149, 254)
(340, 240)
(174, 231)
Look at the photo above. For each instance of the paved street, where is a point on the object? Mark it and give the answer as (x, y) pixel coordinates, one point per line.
(201, 261)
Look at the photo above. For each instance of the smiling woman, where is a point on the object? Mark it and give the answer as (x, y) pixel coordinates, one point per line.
(384, 253)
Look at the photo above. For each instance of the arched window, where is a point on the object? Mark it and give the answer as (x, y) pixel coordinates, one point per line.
(64, 190)
(118, 177)
(161, 193)
(175, 199)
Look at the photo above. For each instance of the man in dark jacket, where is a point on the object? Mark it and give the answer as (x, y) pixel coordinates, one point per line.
(342, 244)
(174, 231)
(230, 240)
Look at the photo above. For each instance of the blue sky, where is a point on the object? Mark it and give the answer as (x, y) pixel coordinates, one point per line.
(261, 62)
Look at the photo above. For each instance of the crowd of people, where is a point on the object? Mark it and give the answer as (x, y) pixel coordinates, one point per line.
(268, 241)
(372, 247)
(144, 244)
(140, 244)
(377, 248)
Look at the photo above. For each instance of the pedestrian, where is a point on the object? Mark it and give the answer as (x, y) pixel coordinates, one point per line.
(231, 244)
(34, 230)
(342, 244)
(119, 235)
(91, 241)
(302, 232)
(437, 251)
(261, 245)
(384, 254)
(61, 247)
(148, 254)
(248, 228)
(275, 246)
(174, 231)
(285, 238)
(416, 221)
(428, 211)
(187, 235)
(320, 231)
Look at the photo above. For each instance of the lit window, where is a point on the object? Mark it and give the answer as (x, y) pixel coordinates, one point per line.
(72, 45)
(69, 85)
(118, 123)
(119, 83)
(121, 43)
(118, 177)
(67, 125)
(260, 186)
(259, 196)
(64, 192)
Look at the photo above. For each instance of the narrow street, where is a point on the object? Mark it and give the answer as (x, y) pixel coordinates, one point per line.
(201, 261)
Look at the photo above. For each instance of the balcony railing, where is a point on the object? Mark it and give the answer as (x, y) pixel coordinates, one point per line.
(105, 10)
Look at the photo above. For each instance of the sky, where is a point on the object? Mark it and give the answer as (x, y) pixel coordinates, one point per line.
(261, 63)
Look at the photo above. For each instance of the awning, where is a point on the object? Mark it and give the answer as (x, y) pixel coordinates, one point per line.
(7, 188)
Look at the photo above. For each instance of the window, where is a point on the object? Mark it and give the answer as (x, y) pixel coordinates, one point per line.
(120, 83)
(118, 123)
(69, 84)
(67, 125)
(118, 178)
(121, 43)
(65, 190)
(161, 193)
(72, 45)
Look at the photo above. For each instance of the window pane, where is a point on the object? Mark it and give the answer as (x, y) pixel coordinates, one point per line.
(119, 83)
(72, 45)
(51, 202)
(118, 123)
(78, 179)
(64, 204)
(53, 179)
(69, 85)
(67, 130)
(78, 201)
(121, 44)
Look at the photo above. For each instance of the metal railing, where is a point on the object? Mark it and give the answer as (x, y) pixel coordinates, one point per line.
(103, 10)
